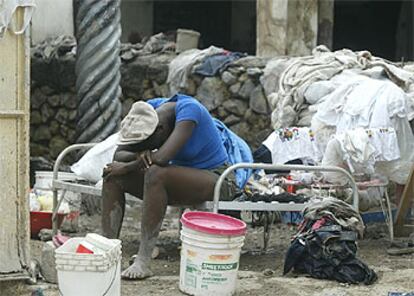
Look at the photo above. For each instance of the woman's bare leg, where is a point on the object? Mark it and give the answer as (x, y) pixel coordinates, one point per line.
(166, 186)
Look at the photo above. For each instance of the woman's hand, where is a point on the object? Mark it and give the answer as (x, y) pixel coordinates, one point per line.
(145, 160)
(115, 169)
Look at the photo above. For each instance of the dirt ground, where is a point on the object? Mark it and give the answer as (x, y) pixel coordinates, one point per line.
(259, 274)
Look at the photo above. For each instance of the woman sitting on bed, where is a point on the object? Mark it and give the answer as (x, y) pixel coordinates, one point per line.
(170, 152)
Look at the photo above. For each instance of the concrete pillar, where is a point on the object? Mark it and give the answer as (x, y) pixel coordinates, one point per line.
(286, 27)
(325, 22)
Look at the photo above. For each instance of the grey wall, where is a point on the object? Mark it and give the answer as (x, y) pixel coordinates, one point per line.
(137, 16)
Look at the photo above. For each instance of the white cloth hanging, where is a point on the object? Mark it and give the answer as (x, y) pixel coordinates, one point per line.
(7, 10)
(288, 144)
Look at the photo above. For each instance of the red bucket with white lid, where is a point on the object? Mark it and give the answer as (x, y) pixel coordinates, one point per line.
(210, 253)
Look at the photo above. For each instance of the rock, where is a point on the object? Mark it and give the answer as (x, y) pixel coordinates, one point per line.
(235, 70)
(38, 150)
(127, 55)
(228, 78)
(231, 119)
(236, 107)
(234, 89)
(191, 87)
(54, 128)
(126, 106)
(47, 90)
(148, 94)
(37, 98)
(254, 72)
(62, 115)
(35, 118)
(268, 272)
(41, 133)
(47, 264)
(72, 115)
(46, 112)
(64, 130)
(197, 79)
(158, 67)
(221, 112)
(258, 101)
(160, 90)
(250, 117)
(256, 121)
(241, 129)
(45, 234)
(212, 93)
(71, 135)
(243, 77)
(133, 74)
(70, 100)
(251, 62)
(146, 84)
(246, 89)
(54, 100)
(56, 145)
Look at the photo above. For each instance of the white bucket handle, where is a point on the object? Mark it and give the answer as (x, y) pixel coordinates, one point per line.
(110, 285)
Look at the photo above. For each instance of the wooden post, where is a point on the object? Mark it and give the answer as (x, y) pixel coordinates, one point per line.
(14, 152)
(404, 206)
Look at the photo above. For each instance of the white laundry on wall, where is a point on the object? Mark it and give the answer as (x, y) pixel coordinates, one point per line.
(7, 10)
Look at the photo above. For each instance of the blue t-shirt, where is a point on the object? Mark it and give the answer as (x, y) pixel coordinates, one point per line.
(204, 149)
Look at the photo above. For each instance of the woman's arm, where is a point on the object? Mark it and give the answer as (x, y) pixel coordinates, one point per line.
(126, 161)
(179, 136)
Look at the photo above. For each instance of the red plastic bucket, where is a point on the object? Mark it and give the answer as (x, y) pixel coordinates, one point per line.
(40, 220)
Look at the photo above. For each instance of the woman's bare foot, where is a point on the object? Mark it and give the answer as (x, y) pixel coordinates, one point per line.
(137, 271)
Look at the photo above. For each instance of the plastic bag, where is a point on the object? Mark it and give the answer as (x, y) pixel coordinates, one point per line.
(91, 165)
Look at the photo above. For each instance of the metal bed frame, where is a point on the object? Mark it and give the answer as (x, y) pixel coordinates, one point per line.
(215, 205)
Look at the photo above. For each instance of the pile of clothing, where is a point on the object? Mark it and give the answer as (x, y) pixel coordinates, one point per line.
(335, 93)
(325, 245)
(284, 197)
(206, 62)
(296, 86)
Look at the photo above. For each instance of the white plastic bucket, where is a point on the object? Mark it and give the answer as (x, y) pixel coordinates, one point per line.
(43, 179)
(209, 262)
(186, 39)
(88, 274)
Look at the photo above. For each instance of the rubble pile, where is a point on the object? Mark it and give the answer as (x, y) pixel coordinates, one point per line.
(234, 95)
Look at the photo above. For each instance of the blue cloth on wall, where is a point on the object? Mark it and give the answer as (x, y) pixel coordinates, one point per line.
(237, 151)
(217, 62)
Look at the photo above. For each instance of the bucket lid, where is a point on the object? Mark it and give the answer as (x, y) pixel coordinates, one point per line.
(217, 224)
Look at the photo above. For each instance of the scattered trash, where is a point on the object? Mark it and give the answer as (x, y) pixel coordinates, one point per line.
(47, 263)
(325, 246)
(38, 292)
(45, 234)
(268, 272)
(400, 248)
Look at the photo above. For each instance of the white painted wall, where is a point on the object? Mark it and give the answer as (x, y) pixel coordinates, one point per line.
(52, 18)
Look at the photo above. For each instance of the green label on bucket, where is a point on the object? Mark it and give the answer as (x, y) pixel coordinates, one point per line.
(191, 275)
(219, 267)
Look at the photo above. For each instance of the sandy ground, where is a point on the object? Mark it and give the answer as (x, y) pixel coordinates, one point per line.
(259, 274)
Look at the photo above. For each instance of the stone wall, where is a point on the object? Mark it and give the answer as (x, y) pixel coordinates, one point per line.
(235, 96)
